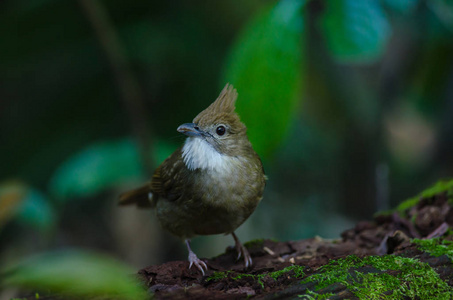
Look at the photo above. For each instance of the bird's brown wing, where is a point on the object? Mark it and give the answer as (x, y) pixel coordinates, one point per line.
(167, 181)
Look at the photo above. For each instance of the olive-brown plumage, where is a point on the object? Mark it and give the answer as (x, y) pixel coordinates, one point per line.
(212, 183)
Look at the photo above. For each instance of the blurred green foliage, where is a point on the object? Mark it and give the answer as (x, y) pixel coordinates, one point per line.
(401, 6)
(355, 31)
(349, 104)
(74, 273)
(101, 166)
(26, 205)
(265, 65)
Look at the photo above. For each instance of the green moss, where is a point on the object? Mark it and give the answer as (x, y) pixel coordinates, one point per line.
(258, 242)
(254, 243)
(298, 273)
(449, 232)
(412, 278)
(258, 278)
(442, 186)
(218, 276)
(222, 275)
(407, 204)
(436, 247)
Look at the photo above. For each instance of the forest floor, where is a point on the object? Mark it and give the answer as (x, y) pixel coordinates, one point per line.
(403, 254)
(406, 253)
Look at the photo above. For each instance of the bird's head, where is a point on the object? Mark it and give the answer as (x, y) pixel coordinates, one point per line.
(219, 125)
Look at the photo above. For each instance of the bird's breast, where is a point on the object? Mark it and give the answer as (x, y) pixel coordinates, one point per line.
(218, 193)
(236, 186)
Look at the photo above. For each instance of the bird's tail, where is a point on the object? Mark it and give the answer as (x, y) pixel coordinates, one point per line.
(142, 197)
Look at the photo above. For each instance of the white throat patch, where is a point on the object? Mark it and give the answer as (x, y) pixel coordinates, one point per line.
(199, 154)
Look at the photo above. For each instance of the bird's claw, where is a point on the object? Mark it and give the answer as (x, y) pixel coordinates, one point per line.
(194, 260)
(242, 251)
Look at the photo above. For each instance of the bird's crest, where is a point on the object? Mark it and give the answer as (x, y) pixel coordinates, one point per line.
(224, 105)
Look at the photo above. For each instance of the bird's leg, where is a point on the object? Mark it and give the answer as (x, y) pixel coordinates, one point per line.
(242, 251)
(194, 260)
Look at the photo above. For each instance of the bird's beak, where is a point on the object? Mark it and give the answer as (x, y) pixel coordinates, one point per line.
(190, 129)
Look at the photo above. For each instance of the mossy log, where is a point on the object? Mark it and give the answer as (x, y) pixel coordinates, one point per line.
(406, 253)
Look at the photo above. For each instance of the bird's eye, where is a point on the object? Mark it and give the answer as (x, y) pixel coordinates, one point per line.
(220, 130)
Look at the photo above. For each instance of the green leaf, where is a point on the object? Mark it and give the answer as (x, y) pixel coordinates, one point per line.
(26, 205)
(101, 166)
(402, 6)
(75, 273)
(355, 31)
(265, 65)
(36, 211)
(443, 9)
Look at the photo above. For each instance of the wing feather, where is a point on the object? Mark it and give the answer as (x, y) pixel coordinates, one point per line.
(168, 179)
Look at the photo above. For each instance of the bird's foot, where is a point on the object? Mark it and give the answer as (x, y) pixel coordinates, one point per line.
(194, 260)
(242, 251)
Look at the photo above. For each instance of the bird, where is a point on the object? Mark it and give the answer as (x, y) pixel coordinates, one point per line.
(211, 184)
